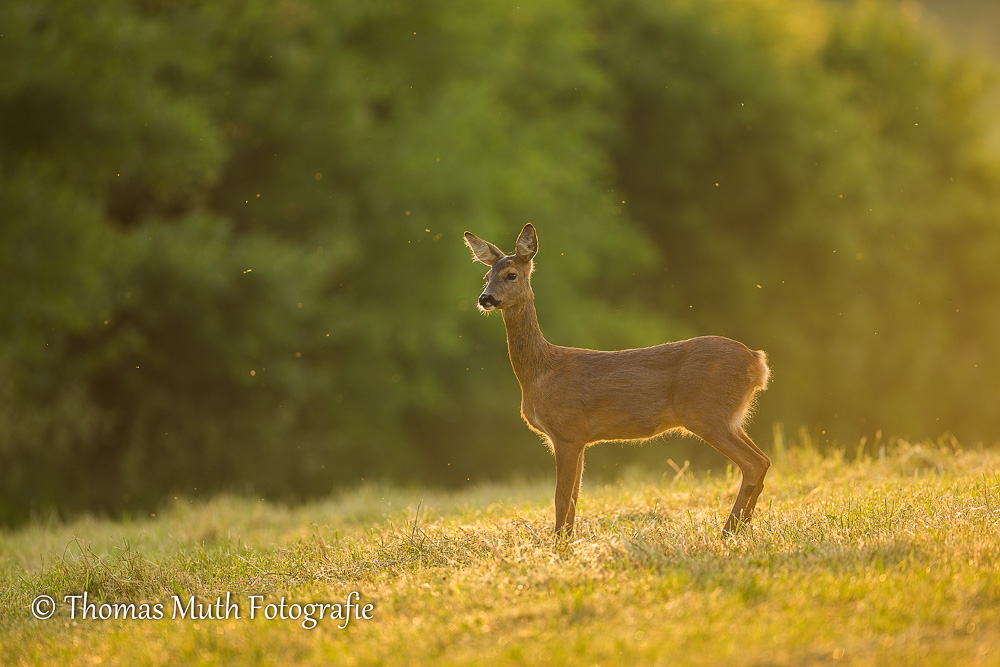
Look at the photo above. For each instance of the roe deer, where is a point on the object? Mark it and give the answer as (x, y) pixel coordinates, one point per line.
(577, 397)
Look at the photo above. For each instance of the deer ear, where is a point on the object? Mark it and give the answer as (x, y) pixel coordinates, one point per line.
(527, 243)
(483, 251)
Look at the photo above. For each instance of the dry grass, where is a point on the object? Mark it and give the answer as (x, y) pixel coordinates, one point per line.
(874, 554)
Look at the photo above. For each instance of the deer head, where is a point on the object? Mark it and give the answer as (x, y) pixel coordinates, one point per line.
(509, 278)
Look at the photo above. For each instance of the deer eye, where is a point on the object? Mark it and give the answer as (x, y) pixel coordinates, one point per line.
(511, 276)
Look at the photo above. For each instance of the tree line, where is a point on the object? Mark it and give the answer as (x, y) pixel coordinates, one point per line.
(231, 236)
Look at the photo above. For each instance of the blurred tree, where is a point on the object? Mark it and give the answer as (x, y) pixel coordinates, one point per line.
(238, 231)
(230, 232)
(813, 179)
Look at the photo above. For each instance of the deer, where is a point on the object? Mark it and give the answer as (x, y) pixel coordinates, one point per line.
(577, 397)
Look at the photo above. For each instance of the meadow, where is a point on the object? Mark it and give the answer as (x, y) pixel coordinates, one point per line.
(884, 552)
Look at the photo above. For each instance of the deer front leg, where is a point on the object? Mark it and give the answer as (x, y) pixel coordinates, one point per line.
(569, 470)
(571, 517)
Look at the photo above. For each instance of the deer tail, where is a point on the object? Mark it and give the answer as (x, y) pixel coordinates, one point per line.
(760, 372)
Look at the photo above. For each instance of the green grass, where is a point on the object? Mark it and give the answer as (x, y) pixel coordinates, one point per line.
(875, 554)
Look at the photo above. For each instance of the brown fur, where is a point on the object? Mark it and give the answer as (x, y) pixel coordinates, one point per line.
(577, 397)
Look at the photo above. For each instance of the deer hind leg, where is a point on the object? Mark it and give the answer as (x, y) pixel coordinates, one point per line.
(752, 503)
(737, 446)
(569, 470)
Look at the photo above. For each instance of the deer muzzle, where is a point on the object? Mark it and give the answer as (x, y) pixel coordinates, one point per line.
(488, 302)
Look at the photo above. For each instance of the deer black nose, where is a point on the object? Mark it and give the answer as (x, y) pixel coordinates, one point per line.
(487, 301)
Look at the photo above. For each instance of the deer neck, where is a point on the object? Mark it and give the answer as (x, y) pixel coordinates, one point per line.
(528, 349)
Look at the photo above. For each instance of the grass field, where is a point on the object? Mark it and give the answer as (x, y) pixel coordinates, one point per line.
(880, 553)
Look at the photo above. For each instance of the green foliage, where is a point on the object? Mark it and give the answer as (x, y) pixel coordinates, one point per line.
(197, 192)
(231, 232)
(819, 183)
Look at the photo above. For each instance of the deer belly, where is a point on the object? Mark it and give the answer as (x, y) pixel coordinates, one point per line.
(611, 424)
(587, 424)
